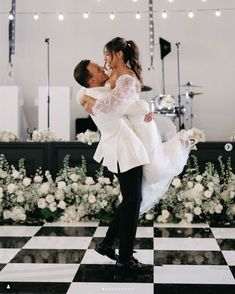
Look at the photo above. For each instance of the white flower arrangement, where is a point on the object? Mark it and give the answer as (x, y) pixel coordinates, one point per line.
(44, 136)
(7, 136)
(195, 135)
(75, 196)
(89, 137)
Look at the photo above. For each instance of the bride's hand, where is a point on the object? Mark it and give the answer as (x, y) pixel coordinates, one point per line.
(148, 117)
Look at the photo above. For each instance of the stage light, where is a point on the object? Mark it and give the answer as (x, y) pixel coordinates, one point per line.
(164, 14)
(11, 16)
(218, 13)
(138, 15)
(61, 16)
(112, 16)
(191, 14)
(36, 16)
(85, 14)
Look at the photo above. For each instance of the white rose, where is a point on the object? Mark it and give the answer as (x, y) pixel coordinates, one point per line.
(20, 199)
(198, 200)
(59, 194)
(149, 216)
(41, 203)
(165, 213)
(160, 219)
(50, 198)
(197, 210)
(45, 187)
(190, 184)
(218, 208)
(15, 174)
(107, 181)
(198, 187)
(62, 204)
(74, 177)
(232, 194)
(198, 178)
(176, 182)
(75, 187)
(26, 182)
(91, 199)
(89, 181)
(52, 207)
(37, 179)
(11, 188)
(61, 185)
(6, 214)
(189, 217)
(207, 194)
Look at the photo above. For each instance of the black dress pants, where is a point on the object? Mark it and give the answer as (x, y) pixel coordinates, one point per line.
(124, 224)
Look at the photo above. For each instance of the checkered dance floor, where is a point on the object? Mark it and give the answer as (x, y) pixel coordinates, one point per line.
(60, 258)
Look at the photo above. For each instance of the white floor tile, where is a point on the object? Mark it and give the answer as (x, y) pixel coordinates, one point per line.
(223, 233)
(193, 274)
(19, 272)
(229, 256)
(18, 231)
(92, 257)
(58, 243)
(72, 224)
(185, 244)
(170, 225)
(145, 232)
(6, 254)
(101, 232)
(145, 256)
(110, 288)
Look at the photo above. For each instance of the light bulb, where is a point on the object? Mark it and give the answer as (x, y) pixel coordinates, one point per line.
(61, 16)
(191, 14)
(36, 16)
(218, 13)
(164, 14)
(112, 16)
(85, 15)
(11, 16)
(138, 15)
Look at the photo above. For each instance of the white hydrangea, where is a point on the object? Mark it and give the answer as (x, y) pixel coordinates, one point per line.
(176, 182)
(37, 179)
(50, 198)
(198, 187)
(45, 187)
(207, 194)
(11, 188)
(15, 174)
(92, 199)
(41, 203)
(199, 178)
(197, 210)
(61, 185)
(89, 181)
(26, 182)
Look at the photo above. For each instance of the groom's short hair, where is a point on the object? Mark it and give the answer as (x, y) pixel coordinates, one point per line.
(82, 74)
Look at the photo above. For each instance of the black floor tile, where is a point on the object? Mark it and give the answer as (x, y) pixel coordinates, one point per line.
(107, 274)
(49, 256)
(2, 265)
(13, 242)
(140, 243)
(188, 257)
(66, 231)
(226, 244)
(33, 288)
(183, 232)
(232, 268)
(193, 289)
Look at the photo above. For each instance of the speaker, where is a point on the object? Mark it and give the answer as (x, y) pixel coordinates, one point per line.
(165, 47)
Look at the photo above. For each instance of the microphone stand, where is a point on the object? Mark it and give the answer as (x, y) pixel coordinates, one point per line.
(48, 82)
(179, 94)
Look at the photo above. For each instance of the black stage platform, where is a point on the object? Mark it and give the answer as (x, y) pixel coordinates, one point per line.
(49, 156)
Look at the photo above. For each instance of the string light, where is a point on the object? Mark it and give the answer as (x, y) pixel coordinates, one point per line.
(135, 0)
(112, 16)
(85, 14)
(11, 16)
(204, 0)
(164, 14)
(190, 14)
(61, 16)
(36, 16)
(218, 13)
(170, 1)
(138, 15)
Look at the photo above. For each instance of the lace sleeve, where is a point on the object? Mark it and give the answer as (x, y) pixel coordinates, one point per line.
(120, 98)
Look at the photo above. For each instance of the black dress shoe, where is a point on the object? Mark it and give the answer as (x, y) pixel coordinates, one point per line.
(104, 249)
(132, 265)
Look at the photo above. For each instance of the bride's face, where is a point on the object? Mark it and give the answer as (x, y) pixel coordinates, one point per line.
(111, 60)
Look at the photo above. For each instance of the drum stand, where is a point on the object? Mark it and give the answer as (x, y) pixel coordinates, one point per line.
(181, 126)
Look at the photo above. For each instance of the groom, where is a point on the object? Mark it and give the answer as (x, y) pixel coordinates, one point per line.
(124, 224)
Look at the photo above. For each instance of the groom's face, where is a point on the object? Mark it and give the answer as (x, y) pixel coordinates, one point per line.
(98, 77)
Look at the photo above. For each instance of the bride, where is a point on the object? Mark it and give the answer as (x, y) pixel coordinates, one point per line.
(120, 96)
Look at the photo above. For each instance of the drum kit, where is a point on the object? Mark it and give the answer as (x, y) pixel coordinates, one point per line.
(168, 105)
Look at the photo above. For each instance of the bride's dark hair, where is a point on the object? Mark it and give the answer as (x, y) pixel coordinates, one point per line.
(130, 53)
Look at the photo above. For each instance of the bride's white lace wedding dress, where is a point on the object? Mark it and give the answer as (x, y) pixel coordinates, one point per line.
(166, 160)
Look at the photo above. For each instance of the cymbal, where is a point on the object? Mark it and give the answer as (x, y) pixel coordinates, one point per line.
(189, 84)
(191, 93)
(145, 88)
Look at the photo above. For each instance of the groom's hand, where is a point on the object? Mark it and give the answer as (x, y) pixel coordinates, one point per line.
(148, 117)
